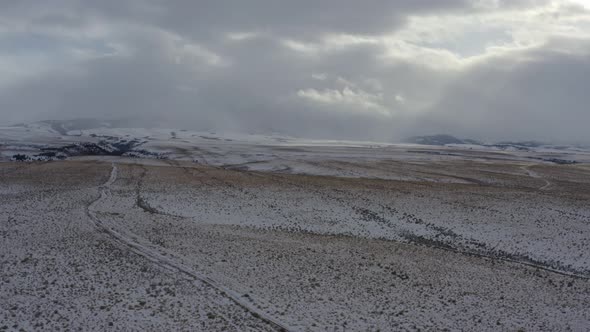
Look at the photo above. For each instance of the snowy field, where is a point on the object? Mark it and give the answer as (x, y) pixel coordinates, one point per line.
(183, 230)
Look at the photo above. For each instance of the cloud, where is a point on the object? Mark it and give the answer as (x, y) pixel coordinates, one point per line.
(346, 99)
(335, 69)
(536, 94)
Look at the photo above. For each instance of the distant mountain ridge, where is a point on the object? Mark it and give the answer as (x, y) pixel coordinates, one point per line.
(444, 139)
(440, 139)
(73, 127)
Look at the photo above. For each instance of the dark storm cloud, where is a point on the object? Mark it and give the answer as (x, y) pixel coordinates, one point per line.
(544, 96)
(304, 17)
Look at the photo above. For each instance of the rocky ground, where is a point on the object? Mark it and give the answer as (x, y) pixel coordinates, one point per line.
(126, 245)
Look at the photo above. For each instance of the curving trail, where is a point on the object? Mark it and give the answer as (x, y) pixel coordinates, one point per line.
(167, 259)
(535, 175)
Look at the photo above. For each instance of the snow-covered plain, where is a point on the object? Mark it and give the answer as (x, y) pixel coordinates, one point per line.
(267, 152)
(211, 231)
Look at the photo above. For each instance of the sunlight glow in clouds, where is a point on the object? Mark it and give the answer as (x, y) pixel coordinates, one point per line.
(304, 68)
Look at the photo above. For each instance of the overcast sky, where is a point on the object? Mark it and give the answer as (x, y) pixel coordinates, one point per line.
(344, 69)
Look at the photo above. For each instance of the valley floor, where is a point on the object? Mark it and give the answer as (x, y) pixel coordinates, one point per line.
(125, 244)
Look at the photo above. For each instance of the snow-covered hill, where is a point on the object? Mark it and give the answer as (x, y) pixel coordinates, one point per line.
(50, 140)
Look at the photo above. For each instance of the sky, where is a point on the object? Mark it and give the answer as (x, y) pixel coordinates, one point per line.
(338, 69)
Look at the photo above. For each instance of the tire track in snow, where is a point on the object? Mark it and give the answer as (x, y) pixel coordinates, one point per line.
(166, 259)
(141, 202)
(535, 175)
